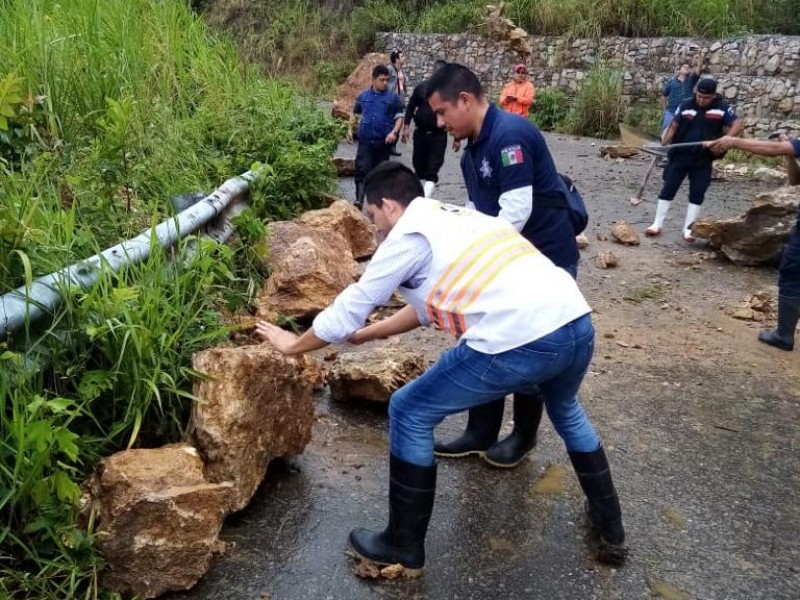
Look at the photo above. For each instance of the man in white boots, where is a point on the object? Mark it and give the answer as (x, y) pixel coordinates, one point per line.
(706, 116)
(430, 140)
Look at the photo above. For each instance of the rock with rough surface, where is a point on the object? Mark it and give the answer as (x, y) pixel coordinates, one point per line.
(345, 167)
(624, 233)
(157, 519)
(769, 175)
(309, 268)
(618, 151)
(605, 260)
(373, 375)
(582, 241)
(359, 80)
(346, 220)
(255, 406)
(757, 237)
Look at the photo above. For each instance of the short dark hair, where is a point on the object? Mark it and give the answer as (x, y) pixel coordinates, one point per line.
(395, 55)
(380, 70)
(393, 180)
(453, 79)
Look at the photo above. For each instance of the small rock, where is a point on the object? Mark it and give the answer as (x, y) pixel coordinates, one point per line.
(770, 175)
(618, 151)
(345, 167)
(606, 260)
(601, 237)
(582, 241)
(624, 233)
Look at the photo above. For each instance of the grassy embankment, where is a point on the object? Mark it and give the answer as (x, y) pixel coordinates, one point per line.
(107, 110)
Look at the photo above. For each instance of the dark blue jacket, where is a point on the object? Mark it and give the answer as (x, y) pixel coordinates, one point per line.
(378, 111)
(511, 153)
(697, 124)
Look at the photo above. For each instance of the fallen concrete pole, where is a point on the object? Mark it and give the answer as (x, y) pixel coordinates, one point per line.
(29, 303)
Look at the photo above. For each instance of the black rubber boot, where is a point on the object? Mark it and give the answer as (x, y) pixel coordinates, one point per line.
(359, 203)
(788, 315)
(483, 427)
(602, 505)
(510, 451)
(411, 492)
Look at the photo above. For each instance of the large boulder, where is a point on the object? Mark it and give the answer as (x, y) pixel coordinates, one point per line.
(309, 268)
(157, 519)
(359, 80)
(255, 404)
(757, 237)
(345, 219)
(373, 375)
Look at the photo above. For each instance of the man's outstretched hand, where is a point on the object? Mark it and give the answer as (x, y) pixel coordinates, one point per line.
(284, 341)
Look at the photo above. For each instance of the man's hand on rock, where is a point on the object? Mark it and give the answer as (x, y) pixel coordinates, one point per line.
(284, 341)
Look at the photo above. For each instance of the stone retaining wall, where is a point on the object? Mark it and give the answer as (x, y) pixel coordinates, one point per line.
(760, 75)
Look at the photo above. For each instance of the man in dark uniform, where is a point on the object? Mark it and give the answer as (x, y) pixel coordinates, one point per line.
(704, 117)
(381, 113)
(789, 274)
(509, 172)
(430, 140)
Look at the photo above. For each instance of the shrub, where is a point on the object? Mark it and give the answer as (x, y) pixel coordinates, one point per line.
(598, 107)
(550, 109)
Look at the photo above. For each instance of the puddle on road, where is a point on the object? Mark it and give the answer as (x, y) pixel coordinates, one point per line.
(552, 481)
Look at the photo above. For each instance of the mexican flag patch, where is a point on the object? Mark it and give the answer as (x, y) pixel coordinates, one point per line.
(511, 156)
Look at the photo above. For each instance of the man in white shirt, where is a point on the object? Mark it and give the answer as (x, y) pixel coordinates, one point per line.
(521, 323)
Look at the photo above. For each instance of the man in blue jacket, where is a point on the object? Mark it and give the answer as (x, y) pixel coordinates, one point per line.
(509, 172)
(381, 113)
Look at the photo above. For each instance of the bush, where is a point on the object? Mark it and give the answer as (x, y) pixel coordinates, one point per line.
(646, 119)
(550, 109)
(598, 108)
(112, 109)
(450, 17)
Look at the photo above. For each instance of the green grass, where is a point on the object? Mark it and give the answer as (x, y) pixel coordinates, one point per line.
(109, 109)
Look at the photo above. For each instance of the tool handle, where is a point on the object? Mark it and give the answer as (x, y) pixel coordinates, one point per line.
(679, 145)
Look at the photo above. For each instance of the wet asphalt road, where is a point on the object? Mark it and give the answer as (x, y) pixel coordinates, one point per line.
(704, 451)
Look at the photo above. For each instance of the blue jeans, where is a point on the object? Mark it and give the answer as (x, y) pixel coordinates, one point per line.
(463, 378)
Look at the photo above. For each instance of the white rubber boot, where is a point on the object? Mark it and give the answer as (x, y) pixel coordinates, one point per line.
(428, 186)
(662, 208)
(692, 212)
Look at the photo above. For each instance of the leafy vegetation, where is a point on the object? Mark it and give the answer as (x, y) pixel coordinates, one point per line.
(318, 43)
(107, 110)
(597, 109)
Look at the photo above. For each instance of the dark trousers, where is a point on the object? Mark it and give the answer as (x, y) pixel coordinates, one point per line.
(368, 156)
(789, 274)
(429, 149)
(698, 170)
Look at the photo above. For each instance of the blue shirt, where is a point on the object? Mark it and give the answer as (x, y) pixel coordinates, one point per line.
(677, 91)
(509, 154)
(379, 111)
(796, 146)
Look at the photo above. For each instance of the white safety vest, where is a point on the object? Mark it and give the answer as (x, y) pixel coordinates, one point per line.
(487, 284)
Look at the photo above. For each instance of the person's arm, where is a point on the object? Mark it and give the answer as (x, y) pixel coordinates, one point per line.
(411, 109)
(505, 96)
(762, 147)
(357, 110)
(397, 260)
(513, 162)
(698, 69)
(669, 132)
(402, 321)
(528, 95)
(287, 342)
(665, 93)
(399, 109)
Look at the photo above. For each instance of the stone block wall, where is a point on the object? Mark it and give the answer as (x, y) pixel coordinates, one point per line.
(760, 75)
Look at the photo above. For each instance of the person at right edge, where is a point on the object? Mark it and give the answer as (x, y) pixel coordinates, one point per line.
(789, 274)
(508, 172)
(704, 117)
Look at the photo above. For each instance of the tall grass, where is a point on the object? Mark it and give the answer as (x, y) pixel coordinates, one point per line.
(597, 109)
(109, 109)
